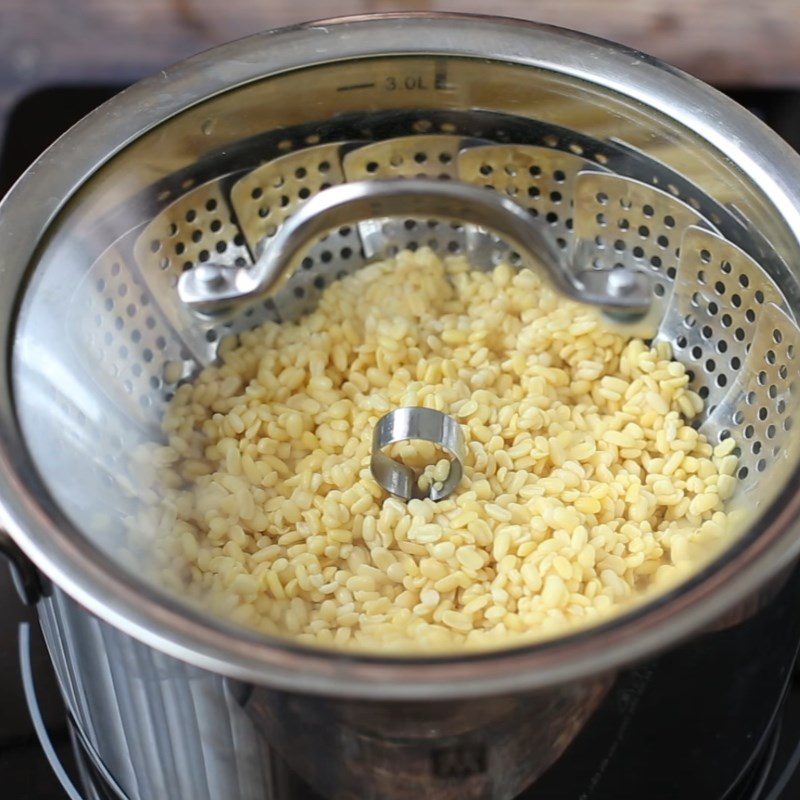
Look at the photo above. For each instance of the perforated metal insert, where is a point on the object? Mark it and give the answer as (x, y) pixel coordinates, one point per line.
(729, 323)
(725, 318)
(424, 156)
(538, 178)
(760, 409)
(119, 328)
(334, 256)
(198, 227)
(264, 198)
(427, 156)
(625, 222)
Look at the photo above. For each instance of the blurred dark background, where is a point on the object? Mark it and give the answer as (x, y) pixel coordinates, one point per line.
(61, 58)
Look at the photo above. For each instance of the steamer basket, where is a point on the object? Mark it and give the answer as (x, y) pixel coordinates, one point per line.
(626, 163)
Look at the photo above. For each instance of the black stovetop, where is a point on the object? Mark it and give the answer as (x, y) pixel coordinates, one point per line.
(717, 741)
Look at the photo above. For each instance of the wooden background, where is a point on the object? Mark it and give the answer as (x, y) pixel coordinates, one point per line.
(55, 42)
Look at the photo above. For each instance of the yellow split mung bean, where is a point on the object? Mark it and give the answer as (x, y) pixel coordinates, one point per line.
(584, 484)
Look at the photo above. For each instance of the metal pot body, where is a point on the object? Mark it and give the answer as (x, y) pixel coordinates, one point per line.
(149, 726)
(158, 727)
(64, 433)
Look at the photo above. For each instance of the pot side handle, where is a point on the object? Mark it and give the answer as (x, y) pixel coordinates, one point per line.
(27, 580)
(26, 669)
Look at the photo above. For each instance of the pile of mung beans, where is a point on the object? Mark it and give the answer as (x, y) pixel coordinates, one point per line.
(585, 485)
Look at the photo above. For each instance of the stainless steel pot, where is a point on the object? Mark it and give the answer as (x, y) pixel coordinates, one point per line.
(177, 704)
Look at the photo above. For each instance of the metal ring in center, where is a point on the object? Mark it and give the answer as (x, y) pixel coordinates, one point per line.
(406, 424)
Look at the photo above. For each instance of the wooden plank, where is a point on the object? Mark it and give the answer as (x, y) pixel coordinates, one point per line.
(44, 42)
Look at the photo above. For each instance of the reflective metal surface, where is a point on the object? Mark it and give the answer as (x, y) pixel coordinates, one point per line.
(162, 728)
(626, 114)
(416, 424)
(166, 729)
(211, 285)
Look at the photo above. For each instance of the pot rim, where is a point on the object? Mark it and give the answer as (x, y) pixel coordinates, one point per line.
(55, 545)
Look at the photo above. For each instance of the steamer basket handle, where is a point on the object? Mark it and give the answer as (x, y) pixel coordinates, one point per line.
(210, 288)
